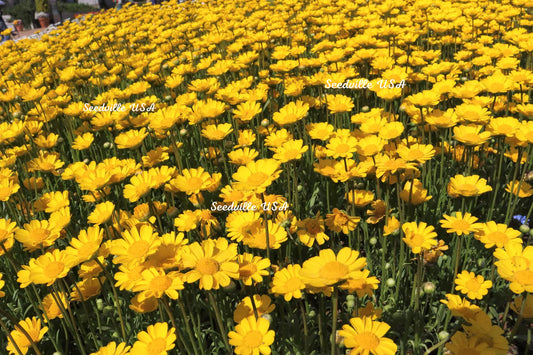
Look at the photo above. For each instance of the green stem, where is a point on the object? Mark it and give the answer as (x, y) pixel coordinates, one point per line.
(304, 322)
(220, 323)
(181, 344)
(335, 305)
(115, 299)
(187, 326)
(520, 317)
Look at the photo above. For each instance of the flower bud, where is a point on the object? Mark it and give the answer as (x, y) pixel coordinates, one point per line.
(428, 287)
(365, 109)
(443, 335)
(373, 241)
(300, 188)
(183, 132)
(311, 314)
(390, 282)
(524, 228)
(265, 123)
(99, 304)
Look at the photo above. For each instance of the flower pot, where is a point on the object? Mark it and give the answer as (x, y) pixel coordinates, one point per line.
(19, 27)
(44, 22)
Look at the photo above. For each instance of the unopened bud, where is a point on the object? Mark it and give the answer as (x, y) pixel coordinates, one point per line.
(524, 228)
(429, 287)
(265, 123)
(443, 335)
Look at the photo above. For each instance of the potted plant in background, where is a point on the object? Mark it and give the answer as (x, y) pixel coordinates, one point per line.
(19, 26)
(42, 12)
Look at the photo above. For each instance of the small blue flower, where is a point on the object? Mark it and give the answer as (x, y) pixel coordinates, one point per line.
(521, 219)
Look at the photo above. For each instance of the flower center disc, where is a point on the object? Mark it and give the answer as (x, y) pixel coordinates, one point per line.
(367, 340)
(207, 266)
(253, 339)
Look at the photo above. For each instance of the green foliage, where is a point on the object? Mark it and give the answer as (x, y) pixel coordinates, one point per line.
(74, 7)
(42, 6)
(22, 11)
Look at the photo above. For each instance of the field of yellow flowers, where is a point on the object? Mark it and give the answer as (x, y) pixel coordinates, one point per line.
(270, 176)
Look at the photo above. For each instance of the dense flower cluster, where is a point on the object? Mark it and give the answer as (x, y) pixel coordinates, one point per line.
(374, 206)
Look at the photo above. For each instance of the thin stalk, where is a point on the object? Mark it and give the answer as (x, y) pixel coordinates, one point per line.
(220, 323)
(164, 303)
(335, 305)
(304, 322)
(115, 299)
(187, 326)
(520, 317)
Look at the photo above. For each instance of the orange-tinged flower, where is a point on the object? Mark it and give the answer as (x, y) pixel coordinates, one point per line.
(311, 230)
(339, 221)
(252, 268)
(519, 188)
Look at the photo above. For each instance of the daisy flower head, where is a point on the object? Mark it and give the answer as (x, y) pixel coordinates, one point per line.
(460, 224)
(366, 336)
(472, 285)
(288, 282)
(419, 237)
(213, 262)
(327, 269)
(156, 340)
(252, 336)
